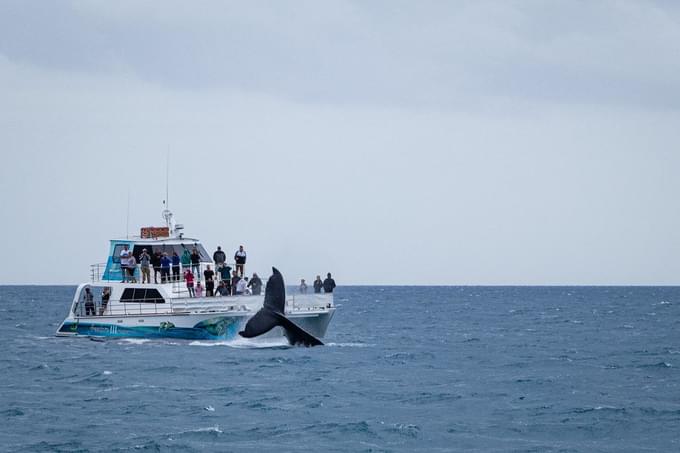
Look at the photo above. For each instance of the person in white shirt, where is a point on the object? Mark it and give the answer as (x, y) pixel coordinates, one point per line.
(240, 258)
(124, 257)
(241, 286)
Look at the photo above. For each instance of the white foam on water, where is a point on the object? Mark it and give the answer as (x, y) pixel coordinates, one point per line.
(209, 409)
(135, 340)
(209, 429)
(107, 372)
(245, 343)
(350, 345)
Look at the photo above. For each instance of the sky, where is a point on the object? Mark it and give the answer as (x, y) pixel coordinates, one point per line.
(387, 142)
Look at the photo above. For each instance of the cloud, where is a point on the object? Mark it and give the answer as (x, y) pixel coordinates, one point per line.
(448, 56)
(386, 145)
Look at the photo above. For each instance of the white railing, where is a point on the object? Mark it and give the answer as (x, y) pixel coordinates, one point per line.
(98, 270)
(294, 304)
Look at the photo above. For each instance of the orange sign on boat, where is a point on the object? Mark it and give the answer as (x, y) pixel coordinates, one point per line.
(155, 232)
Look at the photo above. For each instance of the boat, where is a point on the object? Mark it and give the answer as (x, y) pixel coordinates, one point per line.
(110, 305)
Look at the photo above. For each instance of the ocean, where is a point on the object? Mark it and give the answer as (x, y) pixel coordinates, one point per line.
(435, 369)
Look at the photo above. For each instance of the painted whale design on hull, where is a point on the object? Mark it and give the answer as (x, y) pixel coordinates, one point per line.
(271, 315)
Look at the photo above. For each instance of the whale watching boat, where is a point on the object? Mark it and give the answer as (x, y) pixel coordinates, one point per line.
(112, 306)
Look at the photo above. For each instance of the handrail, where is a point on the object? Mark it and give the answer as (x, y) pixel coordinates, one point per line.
(310, 302)
(98, 270)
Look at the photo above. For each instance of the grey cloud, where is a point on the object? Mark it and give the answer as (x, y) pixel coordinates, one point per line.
(432, 54)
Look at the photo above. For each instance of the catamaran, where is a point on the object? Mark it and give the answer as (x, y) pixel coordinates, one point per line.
(109, 305)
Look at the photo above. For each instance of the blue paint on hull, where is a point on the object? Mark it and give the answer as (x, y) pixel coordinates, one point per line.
(219, 328)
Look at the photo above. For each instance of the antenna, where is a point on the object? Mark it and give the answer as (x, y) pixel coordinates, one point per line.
(167, 179)
(127, 220)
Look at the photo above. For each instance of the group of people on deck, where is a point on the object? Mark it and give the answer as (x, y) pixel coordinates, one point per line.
(229, 282)
(220, 281)
(327, 285)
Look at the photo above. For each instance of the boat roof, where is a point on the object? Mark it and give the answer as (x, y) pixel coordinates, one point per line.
(161, 240)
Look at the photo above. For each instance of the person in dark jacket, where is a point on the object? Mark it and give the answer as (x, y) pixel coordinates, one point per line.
(89, 303)
(209, 281)
(196, 262)
(225, 276)
(175, 267)
(255, 285)
(318, 284)
(240, 258)
(165, 268)
(156, 263)
(219, 257)
(328, 284)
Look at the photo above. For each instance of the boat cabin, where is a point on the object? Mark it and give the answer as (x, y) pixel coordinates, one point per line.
(153, 239)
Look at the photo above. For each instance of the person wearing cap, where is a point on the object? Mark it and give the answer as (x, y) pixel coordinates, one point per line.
(144, 264)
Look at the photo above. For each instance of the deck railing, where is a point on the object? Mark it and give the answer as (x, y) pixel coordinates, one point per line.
(98, 270)
(294, 303)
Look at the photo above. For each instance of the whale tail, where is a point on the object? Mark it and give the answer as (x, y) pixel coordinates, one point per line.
(271, 315)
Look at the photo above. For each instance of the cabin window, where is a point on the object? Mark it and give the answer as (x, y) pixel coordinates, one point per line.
(142, 295)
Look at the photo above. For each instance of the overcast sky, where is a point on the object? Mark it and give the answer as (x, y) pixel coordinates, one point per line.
(453, 142)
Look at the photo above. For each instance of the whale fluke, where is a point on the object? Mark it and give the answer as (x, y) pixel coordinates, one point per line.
(271, 315)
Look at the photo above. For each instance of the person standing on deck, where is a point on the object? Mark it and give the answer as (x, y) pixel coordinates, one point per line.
(106, 295)
(318, 284)
(189, 278)
(124, 255)
(240, 258)
(175, 267)
(219, 257)
(165, 268)
(132, 268)
(144, 262)
(89, 302)
(303, 286)
(225, 276)
(255, 284)
(209, 281)
(156, 263)
(328, 284)
(186, 259)
(234, 281)
(195, 262)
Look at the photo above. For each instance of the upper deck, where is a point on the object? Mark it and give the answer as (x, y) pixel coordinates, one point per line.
(111, 269)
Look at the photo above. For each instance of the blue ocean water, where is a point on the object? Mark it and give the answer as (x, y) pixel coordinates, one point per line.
(486, 369)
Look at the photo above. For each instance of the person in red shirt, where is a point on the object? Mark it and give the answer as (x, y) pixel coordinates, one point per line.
(189, 278)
